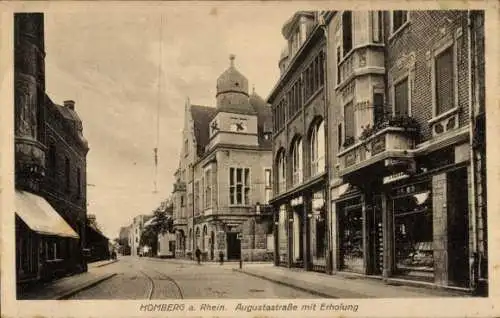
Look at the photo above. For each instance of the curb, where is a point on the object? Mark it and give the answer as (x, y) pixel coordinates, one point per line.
(83, 287)
(304, 289)
(109, 263)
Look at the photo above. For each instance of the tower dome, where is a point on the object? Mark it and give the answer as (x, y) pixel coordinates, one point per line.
(232, 91)
(232, 80)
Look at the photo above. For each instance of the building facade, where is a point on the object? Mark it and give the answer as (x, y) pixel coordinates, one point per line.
(299, 102)
(50, 166)
(405, 177)
(136, 229)
(224, 178)
(124, 247)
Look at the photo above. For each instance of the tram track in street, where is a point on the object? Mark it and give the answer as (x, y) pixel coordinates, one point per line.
(154, 283)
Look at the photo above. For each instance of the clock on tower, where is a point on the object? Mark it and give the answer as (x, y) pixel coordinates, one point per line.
(238, 126)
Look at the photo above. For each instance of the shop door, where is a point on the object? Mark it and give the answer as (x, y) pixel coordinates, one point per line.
(458, 225)
(233, 246)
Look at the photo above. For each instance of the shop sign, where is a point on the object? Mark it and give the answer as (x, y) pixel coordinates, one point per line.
(297, 201)
(395, 177)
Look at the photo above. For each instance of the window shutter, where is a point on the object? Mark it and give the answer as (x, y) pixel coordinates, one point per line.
(401, 98)
(444, 81)
(349, 120)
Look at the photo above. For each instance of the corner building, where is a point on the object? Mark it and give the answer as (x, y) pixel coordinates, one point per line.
(223, 182)
(50, 167)
(405, 169)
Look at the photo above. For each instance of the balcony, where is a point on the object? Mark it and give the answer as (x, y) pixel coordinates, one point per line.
(382, 149)
(179, 186)
(360, 61)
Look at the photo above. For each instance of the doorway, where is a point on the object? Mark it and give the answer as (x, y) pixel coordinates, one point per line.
(212, 245)
(233, 246)
(458, 228)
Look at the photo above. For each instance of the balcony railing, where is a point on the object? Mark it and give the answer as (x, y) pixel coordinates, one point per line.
(387, 141)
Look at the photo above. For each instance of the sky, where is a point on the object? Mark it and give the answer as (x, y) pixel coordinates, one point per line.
(107, 59)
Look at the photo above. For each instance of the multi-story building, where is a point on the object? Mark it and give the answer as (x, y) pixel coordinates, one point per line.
(299, 102)
(136, 229)
(224, 178)
(405, 144)
(50, 166)
(124, 240)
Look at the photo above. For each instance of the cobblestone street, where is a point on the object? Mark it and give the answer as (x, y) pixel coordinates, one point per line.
(143, 278)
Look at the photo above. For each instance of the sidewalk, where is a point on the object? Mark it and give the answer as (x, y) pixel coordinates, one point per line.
(66, 287)
(341, 286)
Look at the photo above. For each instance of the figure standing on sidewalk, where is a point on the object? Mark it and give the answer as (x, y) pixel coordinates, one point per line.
(198, 255)
(221, 257)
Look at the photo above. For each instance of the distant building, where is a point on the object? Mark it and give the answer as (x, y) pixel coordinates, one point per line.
(50, 166)
(97, 243)
(136, 229)
(223, 182)
(124, 240)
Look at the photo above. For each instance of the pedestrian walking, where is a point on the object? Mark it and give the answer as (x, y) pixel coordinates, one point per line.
(221, 257)
(198, 255)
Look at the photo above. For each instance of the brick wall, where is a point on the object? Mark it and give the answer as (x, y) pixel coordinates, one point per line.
(425, 32)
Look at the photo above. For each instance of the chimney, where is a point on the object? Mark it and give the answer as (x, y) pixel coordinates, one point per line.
(69, 104)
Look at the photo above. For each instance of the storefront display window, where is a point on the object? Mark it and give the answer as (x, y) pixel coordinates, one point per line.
(352, 235)
(413, 231)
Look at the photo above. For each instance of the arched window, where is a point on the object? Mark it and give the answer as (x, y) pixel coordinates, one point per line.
(281, 168)
(297, 162)
(318, 149)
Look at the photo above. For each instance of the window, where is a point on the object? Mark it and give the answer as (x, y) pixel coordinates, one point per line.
(239, 186)
(52, 160)
(378, 108)
(186, 147)
(399, 18)
(268, 185)
(349, 124)
(318, 149)
(444, 75)
(297, 162)
(401, 107)
(78, 183)
(339, 58)
(346, 32)
(208, 189)
(67, 174)
(314, 76)
(182, 201)
(197, 196)
(51, 251)
(377, 26)
(339, 136)
(281, 172)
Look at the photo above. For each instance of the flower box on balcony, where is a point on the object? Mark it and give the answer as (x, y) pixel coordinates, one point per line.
(390, 139)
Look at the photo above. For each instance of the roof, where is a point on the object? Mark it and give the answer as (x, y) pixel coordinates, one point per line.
(40, 216)
(202, 116)
(264, 118)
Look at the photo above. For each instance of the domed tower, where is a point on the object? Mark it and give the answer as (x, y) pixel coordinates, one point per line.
(232, 91)
(235, 121)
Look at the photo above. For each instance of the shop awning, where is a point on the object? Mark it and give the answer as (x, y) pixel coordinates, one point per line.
(40, 216)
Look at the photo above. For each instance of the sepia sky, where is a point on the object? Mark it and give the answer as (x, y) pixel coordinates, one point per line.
(107, 60)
